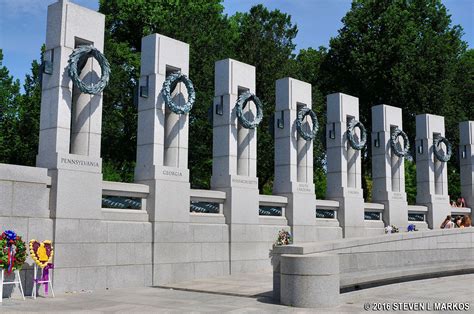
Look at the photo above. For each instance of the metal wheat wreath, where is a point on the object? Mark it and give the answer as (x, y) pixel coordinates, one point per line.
(240, 105)
(438, 152)
(170, 84)
(396, 149)
(350, 134)
(302, 113)
(81, 54)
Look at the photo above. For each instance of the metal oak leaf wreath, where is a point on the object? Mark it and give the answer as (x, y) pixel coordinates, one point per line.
(168, 87)
(397, 150)
(240, 105)
(438, 152)
(350, 134)
(302, 113)
(79, 55)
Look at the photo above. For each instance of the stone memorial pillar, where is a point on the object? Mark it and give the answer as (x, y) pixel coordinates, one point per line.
(234, 167)
(431, 173)
(344, 165)
(162, 157)
(388, 172)
(294, 157)
(466, 161)
(69, 144)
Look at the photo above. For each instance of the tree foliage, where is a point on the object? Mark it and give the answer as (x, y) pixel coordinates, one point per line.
(19, 116)
(401, 53)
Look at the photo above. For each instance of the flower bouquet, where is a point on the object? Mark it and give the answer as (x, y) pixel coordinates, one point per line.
(391, 229)
(284, 238)
(411, 227)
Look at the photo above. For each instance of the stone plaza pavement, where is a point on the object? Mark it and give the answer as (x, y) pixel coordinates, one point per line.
(161, 300)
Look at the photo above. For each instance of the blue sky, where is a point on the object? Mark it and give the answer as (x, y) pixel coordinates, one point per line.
(23, 23)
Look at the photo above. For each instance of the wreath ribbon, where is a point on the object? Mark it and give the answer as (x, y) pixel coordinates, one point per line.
(11, 259)
(45, 277)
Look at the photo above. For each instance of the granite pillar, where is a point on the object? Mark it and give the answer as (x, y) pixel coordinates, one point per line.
(162, 156)
(388, 172)
(431, 173)
(294, 157)
(344, 182)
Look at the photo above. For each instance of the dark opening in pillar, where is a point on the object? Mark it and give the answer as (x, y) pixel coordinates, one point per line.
(302, 148)
(173, 124)
(243, 138)
(82, 104)
(395, 163)
(352, 155)
(438, 168)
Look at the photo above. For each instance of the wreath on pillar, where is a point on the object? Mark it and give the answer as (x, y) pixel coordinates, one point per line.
(351, 133)
(80, 55)
(168, 87)
(438, 152)
(302, 113)
(240, 105)
(12, 251)
(394, 144)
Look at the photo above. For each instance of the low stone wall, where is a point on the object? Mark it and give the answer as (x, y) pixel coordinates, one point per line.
(24, 208)
(371, 260)
(95, 254)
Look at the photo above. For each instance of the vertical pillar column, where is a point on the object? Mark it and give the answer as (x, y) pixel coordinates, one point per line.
(343, 164)
(234, 167)
(69, 143)
(431, 174)
(162, 157)
(388, 172)
(466, 161)
(294, 158)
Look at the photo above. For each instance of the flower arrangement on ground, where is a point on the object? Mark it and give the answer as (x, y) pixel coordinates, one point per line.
(411, 227)
(391, 229)
(12, 251)
(284, 238)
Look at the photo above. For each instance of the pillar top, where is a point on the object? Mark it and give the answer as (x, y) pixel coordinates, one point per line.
(232, 75)
(340, 105)
(466, 136)
(427, 124)
(291, 92)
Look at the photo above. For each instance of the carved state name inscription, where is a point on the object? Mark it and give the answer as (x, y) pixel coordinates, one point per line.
(244, 181)
(172, 173)
(78, 162)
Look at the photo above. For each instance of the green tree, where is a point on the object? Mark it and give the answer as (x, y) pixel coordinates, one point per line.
(400, 53)
(308, 69)
(29, 117)
(19, 116)
(199, 23)
(265, 40)
(9, 101)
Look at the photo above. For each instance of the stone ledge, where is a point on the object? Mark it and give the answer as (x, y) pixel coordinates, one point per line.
(24, 174)
(308, 248)
(367, 279)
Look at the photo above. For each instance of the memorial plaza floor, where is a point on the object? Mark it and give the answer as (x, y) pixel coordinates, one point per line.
(228, 298)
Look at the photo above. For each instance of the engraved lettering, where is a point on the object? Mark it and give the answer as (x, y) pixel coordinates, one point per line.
(244, 181)
(78, 162)
(172, 173)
